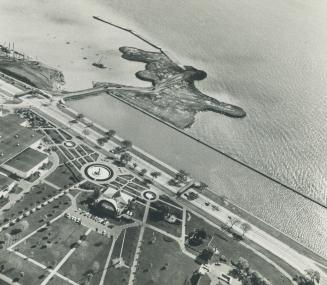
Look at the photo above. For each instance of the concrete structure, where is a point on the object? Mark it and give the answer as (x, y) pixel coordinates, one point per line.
(115, 202)
(6, 185)
(26, 163)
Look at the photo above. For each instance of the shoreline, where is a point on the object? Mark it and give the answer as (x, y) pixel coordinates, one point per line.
(215, 197)
(78, 97)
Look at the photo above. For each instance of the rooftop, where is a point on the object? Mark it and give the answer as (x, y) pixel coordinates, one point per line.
(27, 159)
(14, 138)
(5, 181)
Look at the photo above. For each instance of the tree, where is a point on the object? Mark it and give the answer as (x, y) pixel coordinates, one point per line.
(242, 265)
(134, 165)
(72, 122)
(109, 134)
(96, 193)
(233, 221)
(197, 236)
(143, 172)
(155, 174)
(313, 275)
(181, 176)
(85, 132)
(126, 144)
(202, 187)
(125, 158)
(245, 228)
(79, 116)
(206, 254)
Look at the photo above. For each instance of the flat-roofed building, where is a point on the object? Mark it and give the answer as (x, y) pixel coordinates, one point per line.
(15, 137)
(26, 163)
(6, 185)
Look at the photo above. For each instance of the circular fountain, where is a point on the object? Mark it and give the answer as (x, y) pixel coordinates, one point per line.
(98, 172)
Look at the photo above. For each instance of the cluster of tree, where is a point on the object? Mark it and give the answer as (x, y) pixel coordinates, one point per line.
(248, 276)
(197, 237)
(107, 136)
(311, 277)
(201, 187)
(180, 177)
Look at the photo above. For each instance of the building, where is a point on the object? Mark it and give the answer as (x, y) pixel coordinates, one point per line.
(6, 185)
(26, 163)
(114, 202)
(15, 137)
(18, 145)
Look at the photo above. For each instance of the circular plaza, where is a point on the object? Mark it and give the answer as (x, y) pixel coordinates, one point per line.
(149, 195)
(69, 144)
(98, 172)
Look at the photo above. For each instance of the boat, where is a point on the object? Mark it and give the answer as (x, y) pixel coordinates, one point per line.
(99, 63)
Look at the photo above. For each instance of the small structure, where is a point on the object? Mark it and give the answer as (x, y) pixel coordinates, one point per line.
(6, 185)
(204, 269)
(26, 163)
(114, 202)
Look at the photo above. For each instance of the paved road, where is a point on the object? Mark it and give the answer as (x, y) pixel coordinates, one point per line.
(277, 247)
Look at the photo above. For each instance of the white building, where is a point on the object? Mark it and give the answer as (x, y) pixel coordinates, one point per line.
(26, 163)
(114, 201)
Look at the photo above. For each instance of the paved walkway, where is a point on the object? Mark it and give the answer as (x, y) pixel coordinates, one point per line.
(266, 241)
(61, 263)
(106, 266)
(138, 246)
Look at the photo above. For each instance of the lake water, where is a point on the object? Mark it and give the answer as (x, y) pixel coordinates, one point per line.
(267, 57)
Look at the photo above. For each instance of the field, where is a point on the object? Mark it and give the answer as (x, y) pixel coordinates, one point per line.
(126, 248)
(162, 262)
(38, 194)
(15, 264)
(64, 176)
(90, 257)
(49, 245)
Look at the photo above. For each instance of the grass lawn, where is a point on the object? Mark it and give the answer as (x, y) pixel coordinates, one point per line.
(65, 176)
(162, 262)
(3, 201)
(55, 136)
(169, 200)
(34, 221)
(120, 276)
(3, 282)
(233, 249)
(62, 157)
(138, 211)
(174, 229)
(51, 244)
(15, 264)
(89, 257)
(38, 194)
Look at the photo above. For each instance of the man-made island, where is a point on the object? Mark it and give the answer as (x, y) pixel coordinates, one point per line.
(173, 97)
(81, 205)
